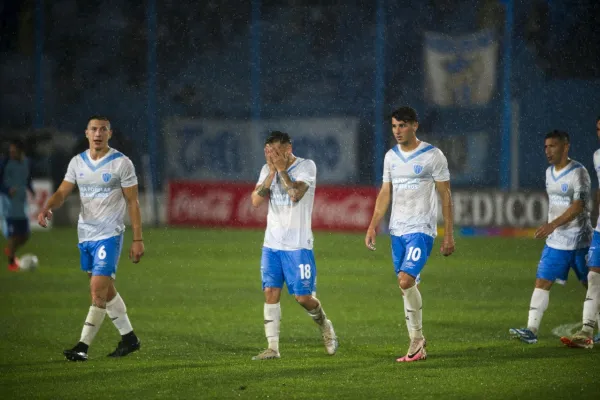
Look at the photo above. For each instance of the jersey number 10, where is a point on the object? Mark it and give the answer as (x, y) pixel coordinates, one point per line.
(414, 253)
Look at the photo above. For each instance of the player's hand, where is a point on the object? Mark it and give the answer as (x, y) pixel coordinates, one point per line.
(294, 195)
(370, 239)
(279, 159)
(544, 231)
(136, 251)
(270, 164)
(447, 245)
(43, 217)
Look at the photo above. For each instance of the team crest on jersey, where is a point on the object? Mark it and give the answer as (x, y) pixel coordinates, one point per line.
(417, 168)
(564, 187)
(106, 177)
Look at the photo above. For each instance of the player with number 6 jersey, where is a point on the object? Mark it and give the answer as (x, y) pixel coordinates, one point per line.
(107, 187)
(413, 170)
(288, 183)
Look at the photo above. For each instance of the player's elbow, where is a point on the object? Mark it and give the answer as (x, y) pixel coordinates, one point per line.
(133, 203)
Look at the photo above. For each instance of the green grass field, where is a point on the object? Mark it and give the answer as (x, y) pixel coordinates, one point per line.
(195, 301)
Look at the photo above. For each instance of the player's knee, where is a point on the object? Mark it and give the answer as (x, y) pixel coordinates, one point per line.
(306, 301)
(406, 282)
(98, 300)
(543, 284)
(272, 295)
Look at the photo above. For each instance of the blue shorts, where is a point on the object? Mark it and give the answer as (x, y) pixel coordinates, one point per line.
(410, 253)
(594, 253)
(16, 227)
(101, 257)
(555, 264)
(296, 268)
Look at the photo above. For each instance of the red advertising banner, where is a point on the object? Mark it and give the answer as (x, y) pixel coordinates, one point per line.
(202, 203)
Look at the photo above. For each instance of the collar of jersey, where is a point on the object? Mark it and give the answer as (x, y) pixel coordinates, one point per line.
(296, 163)
(417, 153)
(574, 166)
(102, 163)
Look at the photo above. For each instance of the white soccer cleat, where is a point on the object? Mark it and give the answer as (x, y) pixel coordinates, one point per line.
(268, 354)
(329, 338)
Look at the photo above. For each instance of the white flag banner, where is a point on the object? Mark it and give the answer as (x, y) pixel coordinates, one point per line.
(460, 71)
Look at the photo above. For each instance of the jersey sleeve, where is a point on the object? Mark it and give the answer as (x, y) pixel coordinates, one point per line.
(440, 170)
(582, 186)
(307, 173)
(597, 164)
(387, 168)
(128, 176)
(264, 172)
(71, 176)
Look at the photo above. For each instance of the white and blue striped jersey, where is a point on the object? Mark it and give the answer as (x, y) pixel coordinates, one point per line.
(102, 202)
(597, 168)
(288, 223)
(564, 187)
(414, 199)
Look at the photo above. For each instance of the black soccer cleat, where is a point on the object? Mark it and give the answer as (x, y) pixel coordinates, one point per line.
(124, 348)
(77, 353)
(74, 355)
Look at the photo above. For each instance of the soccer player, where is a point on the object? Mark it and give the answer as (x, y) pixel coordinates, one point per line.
(412, 172)
(591, 305)
(107, 186)
(568, 231)
(15, 181)
(288, 183)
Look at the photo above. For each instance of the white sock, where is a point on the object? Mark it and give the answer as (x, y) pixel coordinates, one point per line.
(414, 309)
(591, 303)
(539, 303)
(272, 313)
(117, 311)
(406, 318)
(93, 321)
(318, 315)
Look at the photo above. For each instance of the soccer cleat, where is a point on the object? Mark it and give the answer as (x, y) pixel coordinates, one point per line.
(524, 335)
(75, 354)
(416, 351)
(268, 354)
(124, 348)
(13, 267)
(330, 339)
(580, 340)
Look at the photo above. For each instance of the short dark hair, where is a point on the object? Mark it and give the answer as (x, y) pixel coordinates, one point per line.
(406, 114)
(278, 136)
(18, 143)
(99, 118)
(560, 135)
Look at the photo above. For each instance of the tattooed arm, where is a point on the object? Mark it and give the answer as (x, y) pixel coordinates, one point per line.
(296, 190)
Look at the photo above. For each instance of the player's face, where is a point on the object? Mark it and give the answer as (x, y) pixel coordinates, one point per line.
(13, 152)
(404, 132)
(98, 133)
(281, 148)
(556, 150)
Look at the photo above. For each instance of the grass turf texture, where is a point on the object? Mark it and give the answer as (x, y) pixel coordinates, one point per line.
(195, 301)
